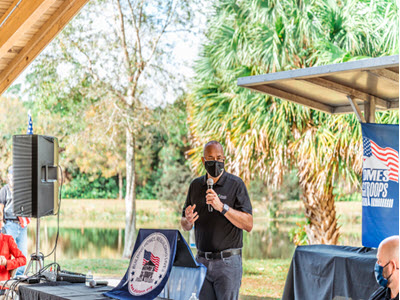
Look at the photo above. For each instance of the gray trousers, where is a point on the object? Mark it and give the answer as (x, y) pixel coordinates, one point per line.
(223, 278)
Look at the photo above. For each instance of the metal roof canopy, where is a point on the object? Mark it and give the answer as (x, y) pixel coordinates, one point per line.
(338, 88)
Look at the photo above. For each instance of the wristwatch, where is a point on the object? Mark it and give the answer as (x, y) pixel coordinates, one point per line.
(225, 208)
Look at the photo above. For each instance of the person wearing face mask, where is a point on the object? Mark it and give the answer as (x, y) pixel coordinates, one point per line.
(219, 232)
(387, 270)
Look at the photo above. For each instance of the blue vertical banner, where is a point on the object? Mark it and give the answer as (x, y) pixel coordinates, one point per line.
(380, 183)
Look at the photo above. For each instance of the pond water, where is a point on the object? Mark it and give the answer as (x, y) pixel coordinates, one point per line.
(271, 242)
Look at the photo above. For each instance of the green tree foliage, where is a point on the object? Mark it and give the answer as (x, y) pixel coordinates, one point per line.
(83, 186)
(174, 168)
(264, 136)
(13, 120)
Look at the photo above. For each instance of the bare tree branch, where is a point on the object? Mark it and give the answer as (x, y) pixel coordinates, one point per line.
(171, 11)
(137, 31)
(96, 76)
(123, 40)
(140, 13)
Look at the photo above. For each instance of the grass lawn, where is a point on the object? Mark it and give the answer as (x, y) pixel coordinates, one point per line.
(264, 278)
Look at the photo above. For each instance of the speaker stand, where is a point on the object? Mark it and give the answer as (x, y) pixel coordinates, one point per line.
(36, 258)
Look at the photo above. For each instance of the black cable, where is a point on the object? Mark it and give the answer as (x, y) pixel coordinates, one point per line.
(58, 219)
(39, 273)
(4, 284)
(15, 284)
(13, 287)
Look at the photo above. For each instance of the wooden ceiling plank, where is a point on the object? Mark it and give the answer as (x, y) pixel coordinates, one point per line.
(292, 97)
(9, 8)
(386, 74)
(345, 109)
(394, 104)
(348, 91)
(43, 37)
(19, 20)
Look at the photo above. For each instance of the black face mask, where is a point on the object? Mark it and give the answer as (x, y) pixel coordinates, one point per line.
(214, 167)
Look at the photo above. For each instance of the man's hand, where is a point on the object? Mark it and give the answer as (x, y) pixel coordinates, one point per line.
(190, 214)
(3, 261)
(190, 217)
(213, 199)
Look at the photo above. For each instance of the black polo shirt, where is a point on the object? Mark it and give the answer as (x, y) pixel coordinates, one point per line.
(383, 294)
(213, 231)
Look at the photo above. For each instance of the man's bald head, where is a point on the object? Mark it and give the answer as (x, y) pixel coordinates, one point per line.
(389, 249)
(212, 145)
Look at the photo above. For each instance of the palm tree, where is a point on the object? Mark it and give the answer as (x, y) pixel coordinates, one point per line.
(268, 136)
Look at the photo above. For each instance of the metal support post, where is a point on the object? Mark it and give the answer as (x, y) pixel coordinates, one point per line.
(356, 109)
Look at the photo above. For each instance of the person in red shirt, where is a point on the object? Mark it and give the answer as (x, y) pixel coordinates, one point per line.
(10, 256)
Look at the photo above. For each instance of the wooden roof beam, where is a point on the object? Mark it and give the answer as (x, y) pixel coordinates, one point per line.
(349, 91)
(18, 19)
(41, 39)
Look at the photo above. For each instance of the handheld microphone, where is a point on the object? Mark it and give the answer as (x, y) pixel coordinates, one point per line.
(210, 183)
(93, 283)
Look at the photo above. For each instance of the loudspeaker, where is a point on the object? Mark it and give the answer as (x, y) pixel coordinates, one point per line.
(35, 170)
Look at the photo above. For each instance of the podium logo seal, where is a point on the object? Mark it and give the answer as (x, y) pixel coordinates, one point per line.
(149, 264)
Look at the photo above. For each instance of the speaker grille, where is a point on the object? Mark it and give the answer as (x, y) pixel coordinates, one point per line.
(24, 156)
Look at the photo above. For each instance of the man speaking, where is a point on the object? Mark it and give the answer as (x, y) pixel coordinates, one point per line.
(219, 211)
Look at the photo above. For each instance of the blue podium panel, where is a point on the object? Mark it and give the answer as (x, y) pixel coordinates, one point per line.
(160, 264)
(380, 187)
(183, 282)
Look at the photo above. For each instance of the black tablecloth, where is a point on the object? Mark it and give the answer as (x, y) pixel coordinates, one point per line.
(62, 291)
(319, 272)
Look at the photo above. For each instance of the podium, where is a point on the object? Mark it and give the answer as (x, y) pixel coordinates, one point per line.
(162, 265)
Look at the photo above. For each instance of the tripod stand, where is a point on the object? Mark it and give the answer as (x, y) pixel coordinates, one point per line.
(36, 258)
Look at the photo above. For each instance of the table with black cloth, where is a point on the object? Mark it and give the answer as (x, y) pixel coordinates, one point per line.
(319, 272)
(63, 291)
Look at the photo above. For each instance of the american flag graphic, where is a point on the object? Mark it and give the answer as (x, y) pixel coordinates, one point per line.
(149, 256)
(24, 221)
(388, 156)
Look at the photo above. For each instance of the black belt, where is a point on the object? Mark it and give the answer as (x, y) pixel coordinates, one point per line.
(219, 255)
(12, 220)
